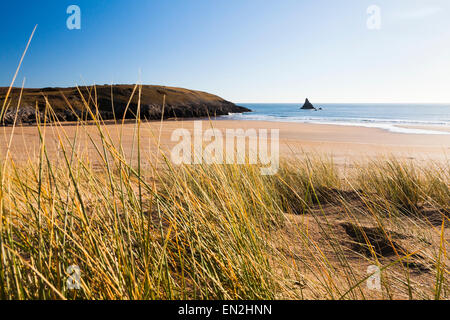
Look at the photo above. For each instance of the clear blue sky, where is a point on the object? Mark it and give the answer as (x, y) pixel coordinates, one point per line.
(242, 50)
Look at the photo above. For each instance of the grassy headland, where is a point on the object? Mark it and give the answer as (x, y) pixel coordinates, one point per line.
(111, 102)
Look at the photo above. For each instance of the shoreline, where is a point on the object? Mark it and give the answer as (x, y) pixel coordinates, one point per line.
(403, 128)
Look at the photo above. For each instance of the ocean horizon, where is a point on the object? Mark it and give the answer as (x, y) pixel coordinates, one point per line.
(394, 117)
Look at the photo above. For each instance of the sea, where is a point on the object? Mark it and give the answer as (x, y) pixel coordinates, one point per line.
(399, 118)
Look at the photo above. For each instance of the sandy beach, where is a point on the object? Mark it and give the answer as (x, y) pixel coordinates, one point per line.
(203, 152)
(343, 143)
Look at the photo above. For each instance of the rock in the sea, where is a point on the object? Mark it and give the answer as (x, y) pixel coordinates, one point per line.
(308, 105)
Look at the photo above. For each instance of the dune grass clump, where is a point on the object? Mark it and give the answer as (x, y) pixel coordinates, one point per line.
(303, 184)
(395, 182)
(406, 187)
(437, 191)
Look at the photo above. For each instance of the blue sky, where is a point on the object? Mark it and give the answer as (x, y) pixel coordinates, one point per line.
(242, 50)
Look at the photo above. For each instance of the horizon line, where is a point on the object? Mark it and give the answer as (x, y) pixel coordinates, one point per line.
(349, 102)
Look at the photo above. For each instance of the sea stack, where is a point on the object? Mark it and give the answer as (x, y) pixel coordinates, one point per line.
(308, 105)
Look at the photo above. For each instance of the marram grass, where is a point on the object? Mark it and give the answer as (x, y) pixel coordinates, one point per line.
(145, 229)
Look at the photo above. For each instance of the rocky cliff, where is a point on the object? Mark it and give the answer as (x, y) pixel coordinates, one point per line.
(69, 104)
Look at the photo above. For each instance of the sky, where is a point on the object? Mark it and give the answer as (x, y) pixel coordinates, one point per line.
(241, 50)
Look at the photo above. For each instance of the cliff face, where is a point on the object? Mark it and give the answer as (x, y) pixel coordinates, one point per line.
(179, 103)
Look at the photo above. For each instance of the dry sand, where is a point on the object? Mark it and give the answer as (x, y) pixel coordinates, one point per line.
(344, 143)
